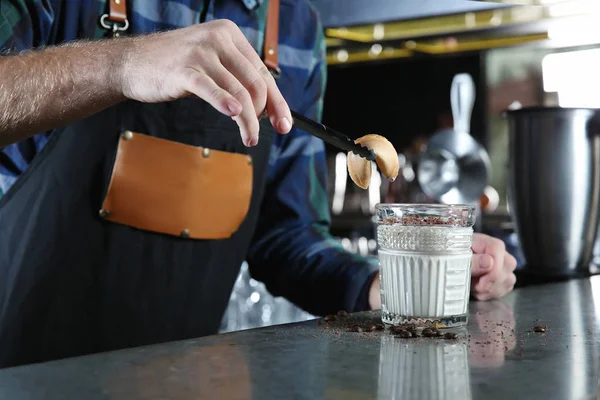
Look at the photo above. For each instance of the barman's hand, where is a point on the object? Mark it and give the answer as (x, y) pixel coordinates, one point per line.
(44, 89)
(492, 271)
(213, 61)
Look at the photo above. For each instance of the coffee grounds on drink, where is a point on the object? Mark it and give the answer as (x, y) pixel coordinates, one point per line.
(425, 220)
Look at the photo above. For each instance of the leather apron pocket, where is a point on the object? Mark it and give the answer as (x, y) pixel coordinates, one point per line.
(176, 189)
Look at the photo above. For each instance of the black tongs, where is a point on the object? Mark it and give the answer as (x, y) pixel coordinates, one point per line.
(332, 137)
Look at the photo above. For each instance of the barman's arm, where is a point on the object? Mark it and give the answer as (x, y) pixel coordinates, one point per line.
(292, 251)
(44, 89)
(41, 90)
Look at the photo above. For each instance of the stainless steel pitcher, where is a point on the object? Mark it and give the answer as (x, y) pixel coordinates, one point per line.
(554, 187)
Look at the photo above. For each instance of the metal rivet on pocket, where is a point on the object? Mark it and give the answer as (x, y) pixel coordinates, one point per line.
(185, 233)
(206, 152)
(127, 135)
(250, 160)
(271, 51)
(104, 213)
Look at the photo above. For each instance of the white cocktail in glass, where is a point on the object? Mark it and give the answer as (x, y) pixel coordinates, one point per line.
(425, 256)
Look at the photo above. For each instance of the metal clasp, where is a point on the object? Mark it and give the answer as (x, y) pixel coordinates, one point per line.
(275, 72)
(113, 26)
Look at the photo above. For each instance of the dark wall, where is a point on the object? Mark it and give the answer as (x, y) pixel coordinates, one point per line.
(400, 99)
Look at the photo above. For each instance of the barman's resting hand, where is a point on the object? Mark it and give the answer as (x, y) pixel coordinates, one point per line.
(44, 89)
(492, 271)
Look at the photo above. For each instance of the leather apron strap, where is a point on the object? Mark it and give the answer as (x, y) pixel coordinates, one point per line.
(271, 48)
(116, 21)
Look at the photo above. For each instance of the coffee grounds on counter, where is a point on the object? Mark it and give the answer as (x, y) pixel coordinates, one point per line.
(405, 334)
(336, 324)
(397, 329)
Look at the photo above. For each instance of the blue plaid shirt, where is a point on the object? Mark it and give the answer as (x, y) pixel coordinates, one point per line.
(292, 250)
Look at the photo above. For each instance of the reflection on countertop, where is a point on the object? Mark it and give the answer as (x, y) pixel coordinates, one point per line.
(411, 369)
(497, 357)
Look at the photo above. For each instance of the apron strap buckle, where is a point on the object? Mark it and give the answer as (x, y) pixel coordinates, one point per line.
(117, 17)
(113, 26)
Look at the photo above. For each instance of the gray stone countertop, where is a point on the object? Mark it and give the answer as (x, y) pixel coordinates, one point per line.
(498, 356)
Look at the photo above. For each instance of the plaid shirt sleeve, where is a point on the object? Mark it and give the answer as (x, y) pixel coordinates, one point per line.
(18, 28)
(293, 252)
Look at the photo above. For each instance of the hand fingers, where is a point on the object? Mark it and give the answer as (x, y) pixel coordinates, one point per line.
(502, 288)
(482, 264)
(277, 108)
(506, 287)
(204, 87)
(487, 244)
(495, 290)
(498, 278)
(492, 268)
(247, 119)
(510, 262)
(479, 242)
(248, 76)
(487, 282)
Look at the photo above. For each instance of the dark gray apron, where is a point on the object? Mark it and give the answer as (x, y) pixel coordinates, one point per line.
(72, 283)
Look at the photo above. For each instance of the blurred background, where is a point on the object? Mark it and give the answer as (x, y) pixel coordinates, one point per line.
(398, 59)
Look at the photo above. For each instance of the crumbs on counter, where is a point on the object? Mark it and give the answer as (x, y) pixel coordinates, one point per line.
(344, 322)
